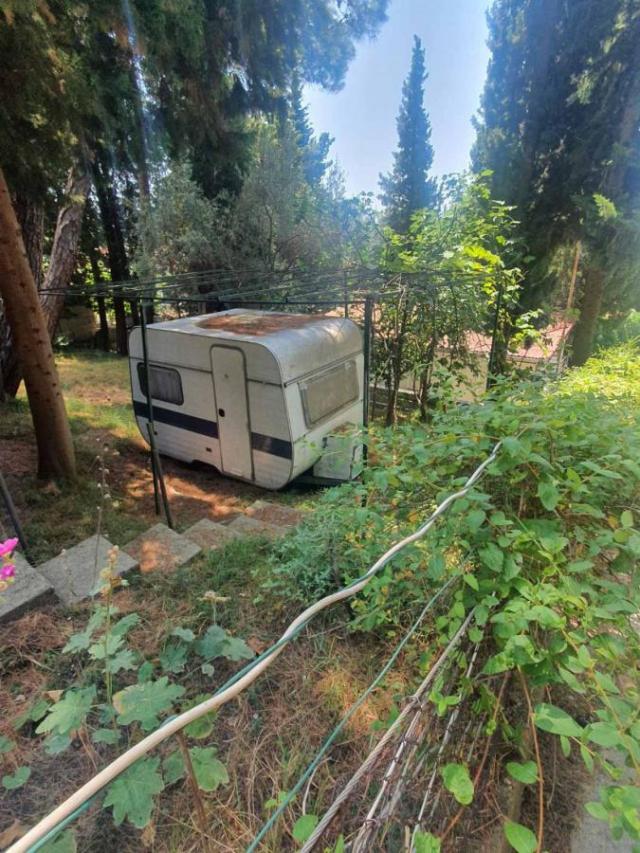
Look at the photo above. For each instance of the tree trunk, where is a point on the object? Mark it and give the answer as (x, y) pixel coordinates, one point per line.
(103, 334)
(30, 216)
(92, 239)
(33, 346)
(65, 245)
(392, 402)
(135, 314)
(118, 264)
(397, 364)
(585, 329)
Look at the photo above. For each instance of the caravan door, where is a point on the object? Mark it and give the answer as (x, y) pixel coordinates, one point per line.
(234, 428)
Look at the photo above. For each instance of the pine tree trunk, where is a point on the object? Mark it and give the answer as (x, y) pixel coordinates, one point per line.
(30, 216)
(33, 346)
(392, 403)
(135, 314)
(103, 334)
(102, 338)
(585, 329)
(117, 257)
(65, 246)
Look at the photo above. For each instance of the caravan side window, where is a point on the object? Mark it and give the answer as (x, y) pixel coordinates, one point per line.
(166, 384)
(328, 393)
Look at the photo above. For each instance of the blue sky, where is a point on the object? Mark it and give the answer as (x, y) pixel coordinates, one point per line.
(362, 117)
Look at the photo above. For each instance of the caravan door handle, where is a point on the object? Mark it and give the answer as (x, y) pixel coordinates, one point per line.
(221, 412)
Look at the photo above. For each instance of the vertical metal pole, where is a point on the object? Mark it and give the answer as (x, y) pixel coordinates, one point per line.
(156, 465)
(163, 488)
(150, 424)
(13, 515)
(345, 287)
(494, 337)
(367, 352)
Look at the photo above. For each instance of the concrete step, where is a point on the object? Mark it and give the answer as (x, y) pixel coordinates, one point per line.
(247, 526)
(75, 574)
(276, 514)
(161, 549)
(29, 589)
(210, 534)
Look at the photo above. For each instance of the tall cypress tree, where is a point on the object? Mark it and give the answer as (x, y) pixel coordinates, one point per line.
(314, 151)
(407, 188)
(560, 130)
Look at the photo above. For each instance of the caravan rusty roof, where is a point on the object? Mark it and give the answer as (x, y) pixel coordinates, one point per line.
(257, 324)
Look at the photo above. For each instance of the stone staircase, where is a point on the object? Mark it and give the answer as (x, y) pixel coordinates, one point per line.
(74, 574)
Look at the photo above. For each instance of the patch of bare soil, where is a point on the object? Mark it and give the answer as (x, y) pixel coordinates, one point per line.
(271, 513)
(17, 456)
(194, 491)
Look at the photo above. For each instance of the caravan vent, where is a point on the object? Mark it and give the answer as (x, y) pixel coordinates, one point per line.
(329, 392)
(166, 384)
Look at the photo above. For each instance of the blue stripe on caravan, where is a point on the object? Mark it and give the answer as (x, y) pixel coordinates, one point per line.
(274, 446)
(178, 419)
(265, 443)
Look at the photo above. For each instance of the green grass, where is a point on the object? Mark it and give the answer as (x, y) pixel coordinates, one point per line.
(97, 396)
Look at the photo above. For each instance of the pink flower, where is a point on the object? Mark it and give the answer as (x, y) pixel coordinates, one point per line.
(7, 571)
(7, 547)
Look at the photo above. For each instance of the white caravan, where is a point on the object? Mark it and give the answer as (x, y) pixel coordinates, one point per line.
(262, 396)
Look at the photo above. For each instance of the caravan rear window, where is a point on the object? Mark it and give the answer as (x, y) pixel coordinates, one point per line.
(328, 393)
(166, 384)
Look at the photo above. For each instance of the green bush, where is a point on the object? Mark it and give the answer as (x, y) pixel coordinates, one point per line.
(546, 545)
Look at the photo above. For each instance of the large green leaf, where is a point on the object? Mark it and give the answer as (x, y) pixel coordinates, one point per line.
(17, 779)
(105, 646)
(131, 794)
(425, 842)
(304, 826)
(144, 703)
(34, 713)
(604, 734)
(124, 625)
(173, 767)
(236, 649)
(6, 745)
(109, 736)
(69, 713)
(81, 641)
(78, 642)
(174, 657)
(457, 780)
(549, 718)
(492, 557)
(124, 659)
(55, 744)
(210, 771)
(548, 494)
(475, 519)
(218, 643)
(520, 838)
(184, 634)
(202, 726)
(211, 645)
(527, 772)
